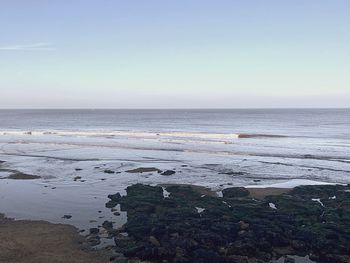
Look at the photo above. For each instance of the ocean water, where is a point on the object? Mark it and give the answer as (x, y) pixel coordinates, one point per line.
(213, 148)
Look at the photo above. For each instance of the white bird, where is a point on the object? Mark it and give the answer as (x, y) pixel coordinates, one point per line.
(272, 205)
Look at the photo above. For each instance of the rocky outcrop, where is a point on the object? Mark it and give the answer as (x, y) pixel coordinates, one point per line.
(187, 226)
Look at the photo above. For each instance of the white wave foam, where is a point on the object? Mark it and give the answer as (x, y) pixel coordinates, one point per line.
(176, 136)
(141, 134)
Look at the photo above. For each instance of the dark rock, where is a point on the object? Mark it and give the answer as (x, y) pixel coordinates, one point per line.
(107, 225)
(243, 225)
(107, 171)
(144, 170)
(235, 192)
(123, 242)
(116, 197)
(93, 240)
(121, 259)
(114, 200)
(289, 260)
(21, 176)
(168, 172)
(111, 204)
(233, 173)
(154, 241)
(298, 245)
(234, 228)
(206, 256)
(244, 248)
(67, 216)
(94, 231)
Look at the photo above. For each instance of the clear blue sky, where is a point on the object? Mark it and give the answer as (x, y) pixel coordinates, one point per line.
(174, 54)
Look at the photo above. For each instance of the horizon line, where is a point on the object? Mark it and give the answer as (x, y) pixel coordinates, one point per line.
(224, 108)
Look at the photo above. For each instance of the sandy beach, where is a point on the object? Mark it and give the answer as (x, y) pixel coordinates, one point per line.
(261, 193)
(39, 241)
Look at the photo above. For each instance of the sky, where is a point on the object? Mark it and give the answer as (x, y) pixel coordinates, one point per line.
(174, 53)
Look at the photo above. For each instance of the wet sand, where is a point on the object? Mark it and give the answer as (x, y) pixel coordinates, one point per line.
(261, 193)
(257, 193)
(41, 242)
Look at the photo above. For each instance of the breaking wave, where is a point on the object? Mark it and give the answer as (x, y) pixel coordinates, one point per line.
(179, 136)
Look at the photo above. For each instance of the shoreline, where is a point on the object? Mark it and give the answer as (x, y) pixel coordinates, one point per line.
(243, 218)
(64, 242)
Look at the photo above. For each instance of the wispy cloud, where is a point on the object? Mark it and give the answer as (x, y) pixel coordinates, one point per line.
(29, 47)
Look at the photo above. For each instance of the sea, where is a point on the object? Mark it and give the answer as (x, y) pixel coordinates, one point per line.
(71, 150)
